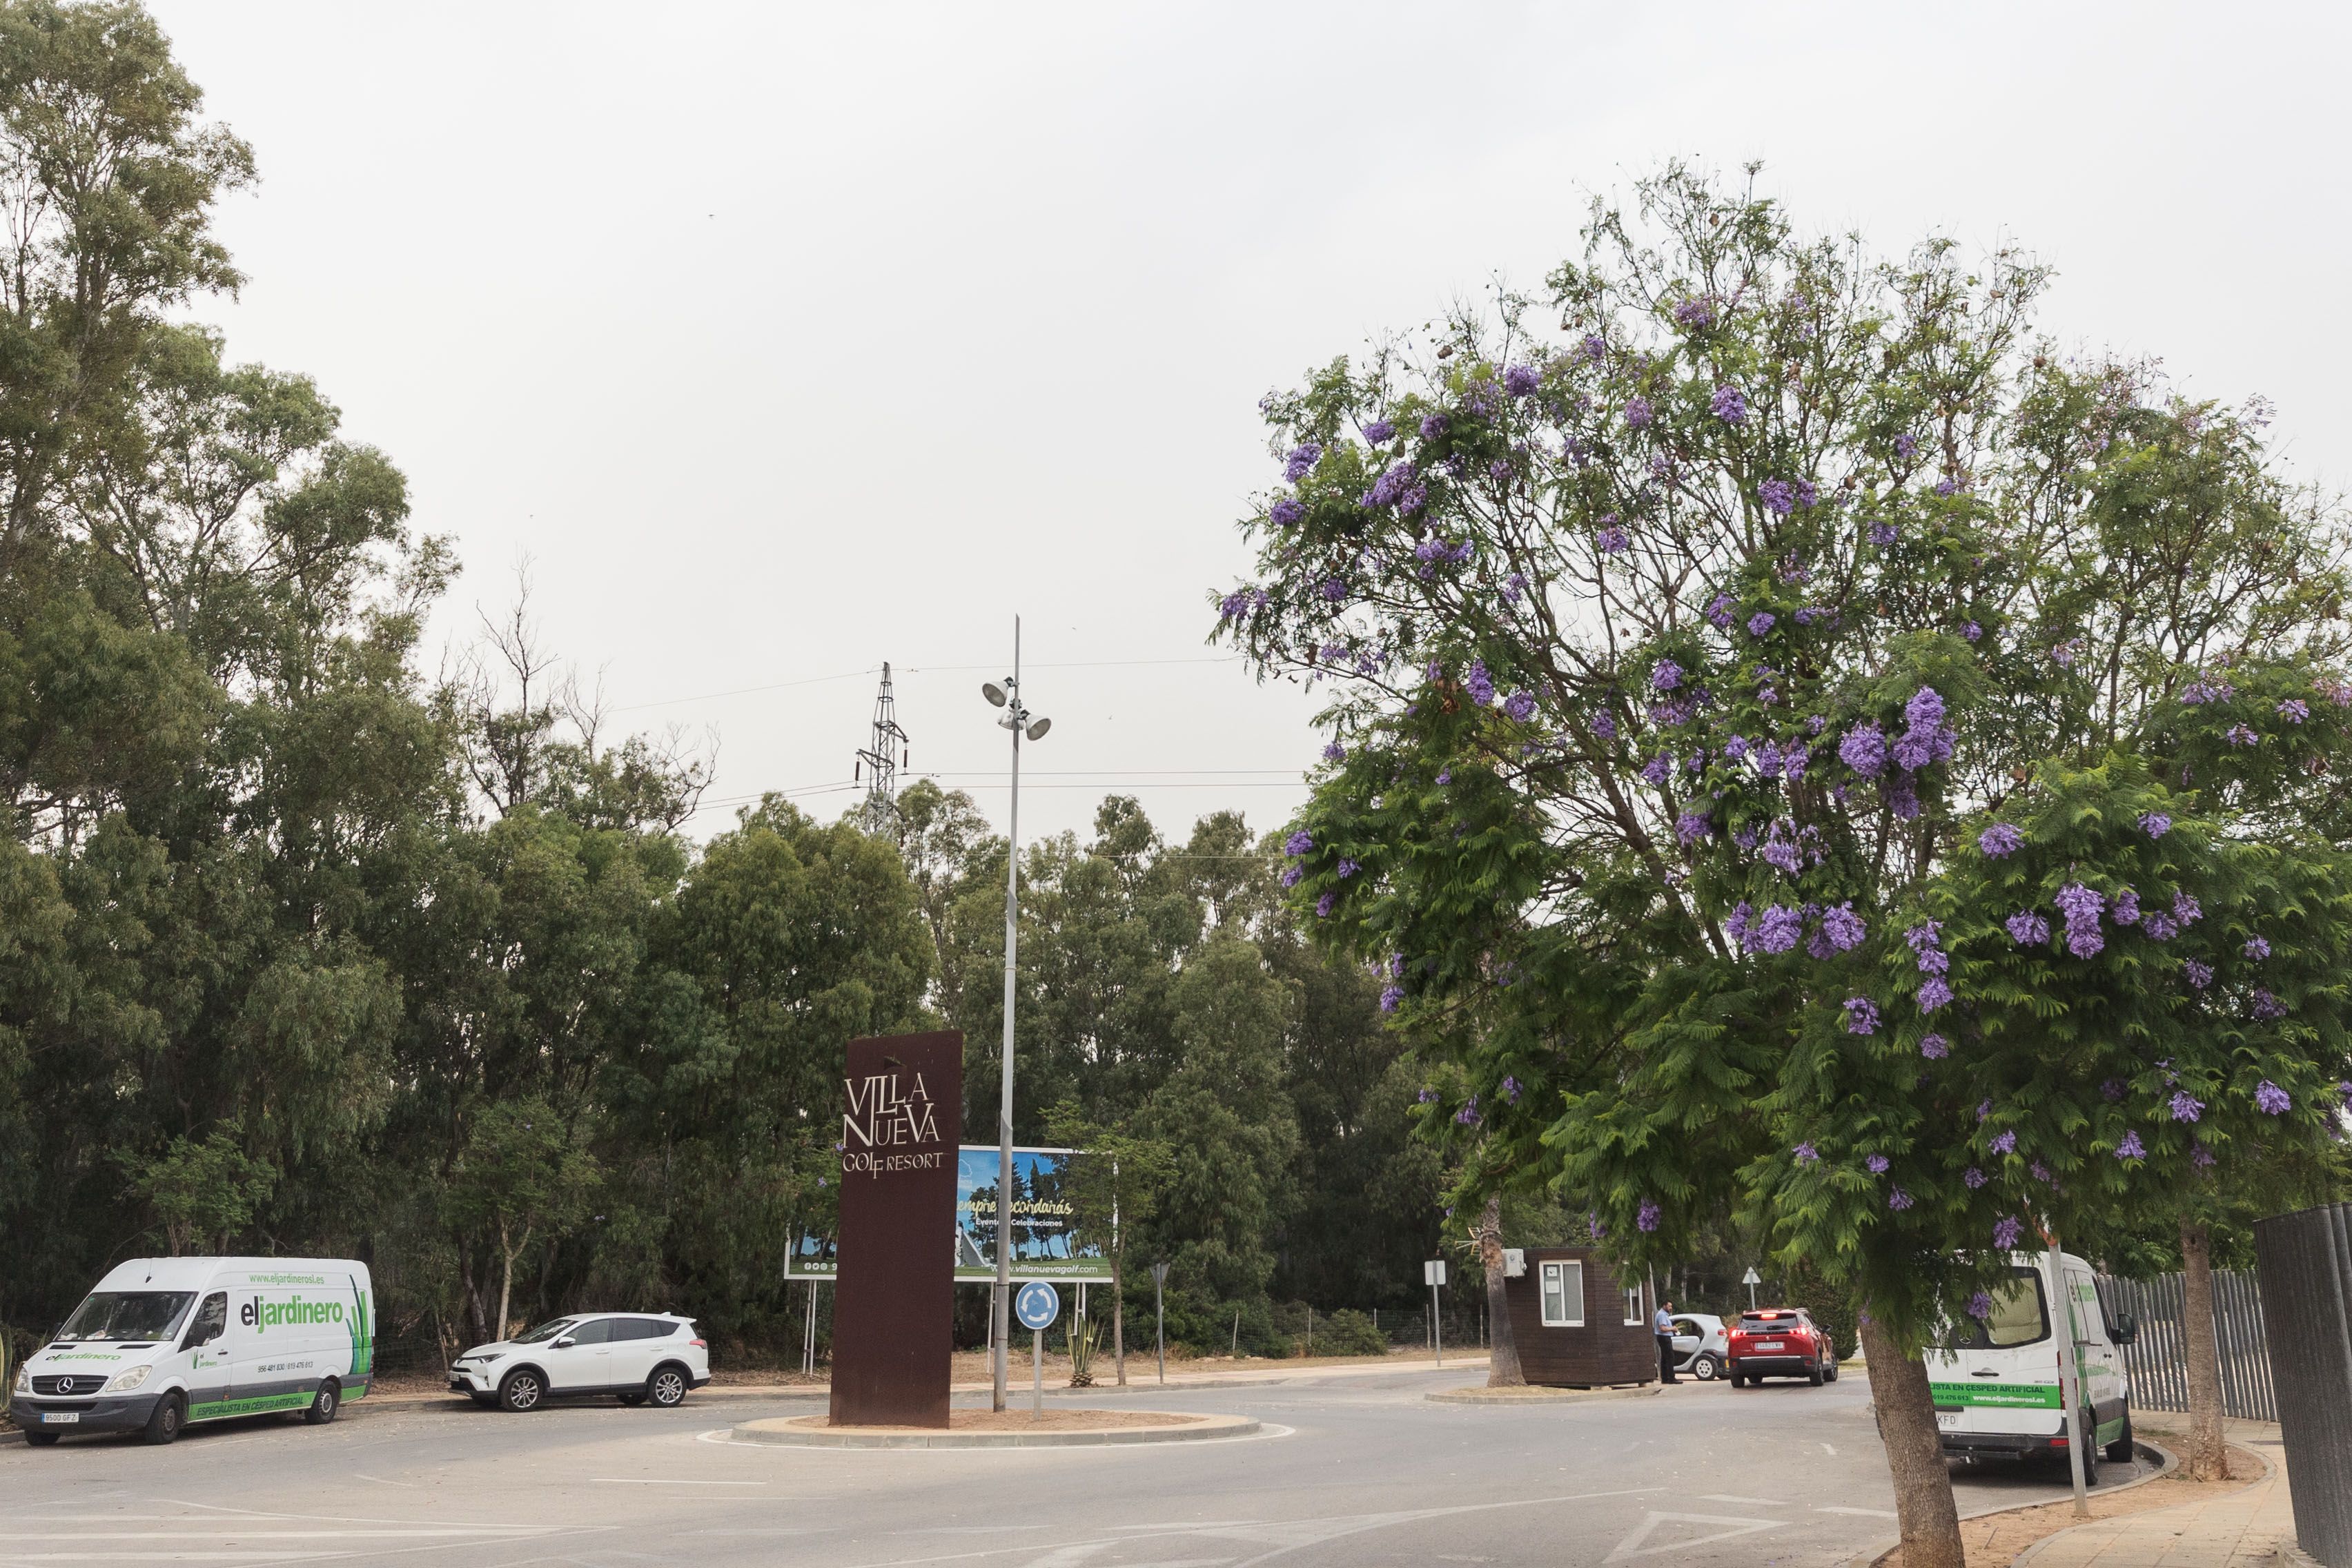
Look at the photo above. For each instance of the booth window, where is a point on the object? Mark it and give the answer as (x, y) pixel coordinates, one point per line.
(1563, 1295)
(1634, 1316)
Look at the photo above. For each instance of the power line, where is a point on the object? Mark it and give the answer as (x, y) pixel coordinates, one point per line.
(912, 670)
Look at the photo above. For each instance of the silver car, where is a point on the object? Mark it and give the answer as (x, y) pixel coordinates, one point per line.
(1700, 1343)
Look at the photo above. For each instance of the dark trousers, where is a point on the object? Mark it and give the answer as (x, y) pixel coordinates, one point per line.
(1666, 1359)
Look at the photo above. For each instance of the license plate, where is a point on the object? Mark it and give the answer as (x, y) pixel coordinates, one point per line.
(1947, 1419)
(60, 1417)
(1772, 1346)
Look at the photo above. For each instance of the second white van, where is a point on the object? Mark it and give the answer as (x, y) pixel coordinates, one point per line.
(1995, 1378)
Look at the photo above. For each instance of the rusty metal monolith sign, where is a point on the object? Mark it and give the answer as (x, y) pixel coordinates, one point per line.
(893, 1301)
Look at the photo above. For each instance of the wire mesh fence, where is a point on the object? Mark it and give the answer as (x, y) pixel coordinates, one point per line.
(2158, 1361)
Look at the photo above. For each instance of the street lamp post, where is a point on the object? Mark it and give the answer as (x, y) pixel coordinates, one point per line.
(1016, 719)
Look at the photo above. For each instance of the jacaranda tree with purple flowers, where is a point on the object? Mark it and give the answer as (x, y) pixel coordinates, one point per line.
(1675, 655)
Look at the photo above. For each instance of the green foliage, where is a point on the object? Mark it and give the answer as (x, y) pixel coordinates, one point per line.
(1348, 1332)
(203, 1195)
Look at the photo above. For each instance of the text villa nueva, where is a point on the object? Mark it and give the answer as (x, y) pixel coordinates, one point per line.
(883, 1125)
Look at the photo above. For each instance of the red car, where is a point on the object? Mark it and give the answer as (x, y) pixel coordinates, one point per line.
(1779, 1342)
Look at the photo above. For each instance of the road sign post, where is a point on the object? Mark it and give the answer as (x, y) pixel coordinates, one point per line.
(1037, 1306)
(1751, 1279)
(1160, 1315)
(1434, 1271)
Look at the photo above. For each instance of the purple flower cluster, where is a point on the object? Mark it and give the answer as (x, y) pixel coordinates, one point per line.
(1666, 675)
(1389, 996)
(1347, 867)
(2266, 1006)
(1612, 539)
(2239, 735)
(1468, 1115)
(1638, 411)
(2155, 824)
(2257, 948)
(1807, 1154)
(2027, 929)
(2081, 906)
(1860, 1015)
(2200, 975)
(1935, 1047)
(2185, 910)
(2131, 1148)
(1379, 431)
(1759, 622)
(2005, 1143)
(2185, 1106)
(1697, 312)
(2127, 908)
(1647, 1217)
(2295, 710)
(1876, 1164)
(1980, 1304)
(2271, 1099)
(1906, 444)
(1301, 462)
(1691, 827)
(1478, 684)
(1972, 631)
(2198, 693)
(1864, 750)
(1299, 843)
(1510, 1089)
(1291, 874)
(1777, 495)
(1286, 511)
(1728, 405)
(1999, 841)
(1397, 487)
(1883, 534)
(2005, 1234)
(1520, 706)
(1898, 1200)
(2159, 926)
(1842, 929)
(1335, 589)
(1974, 1178)
(1326, 904)
(1432, 425)
(1521, 380)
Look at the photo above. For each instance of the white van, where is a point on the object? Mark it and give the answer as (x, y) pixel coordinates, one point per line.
(162, 1341)
(1995, 1379)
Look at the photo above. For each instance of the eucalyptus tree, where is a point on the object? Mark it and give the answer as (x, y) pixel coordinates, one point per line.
(1682, 660)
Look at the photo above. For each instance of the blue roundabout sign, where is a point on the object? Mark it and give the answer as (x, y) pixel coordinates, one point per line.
(1037, 1305)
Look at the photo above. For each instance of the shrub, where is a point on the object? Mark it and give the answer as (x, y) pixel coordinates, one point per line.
(1348, 1332)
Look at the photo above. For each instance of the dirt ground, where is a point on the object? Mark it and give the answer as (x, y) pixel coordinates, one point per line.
(1995, 1542)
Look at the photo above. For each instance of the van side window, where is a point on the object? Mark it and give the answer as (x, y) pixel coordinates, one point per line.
(211, 1321)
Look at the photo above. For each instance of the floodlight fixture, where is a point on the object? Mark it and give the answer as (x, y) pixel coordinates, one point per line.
(1037, 731)
(993, 692)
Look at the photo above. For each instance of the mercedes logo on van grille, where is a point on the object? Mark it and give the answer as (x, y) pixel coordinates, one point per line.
(65, 1385)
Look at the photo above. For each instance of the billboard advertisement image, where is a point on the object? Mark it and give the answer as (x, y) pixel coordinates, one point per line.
(1047, 1241)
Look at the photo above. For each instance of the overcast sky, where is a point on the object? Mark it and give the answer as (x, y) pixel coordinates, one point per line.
(785, 340)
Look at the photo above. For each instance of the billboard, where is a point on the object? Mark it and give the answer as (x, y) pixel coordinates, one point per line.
(1048, 1242)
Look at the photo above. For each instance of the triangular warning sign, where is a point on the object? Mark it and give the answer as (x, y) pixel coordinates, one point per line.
(1638, 1544)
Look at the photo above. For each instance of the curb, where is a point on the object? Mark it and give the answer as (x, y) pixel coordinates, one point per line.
(1543, 1396)
(782, 1435)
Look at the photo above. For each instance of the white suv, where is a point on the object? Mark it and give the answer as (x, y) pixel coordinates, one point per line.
(644, 1358)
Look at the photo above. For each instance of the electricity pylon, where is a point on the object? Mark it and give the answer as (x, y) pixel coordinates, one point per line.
(885, 753)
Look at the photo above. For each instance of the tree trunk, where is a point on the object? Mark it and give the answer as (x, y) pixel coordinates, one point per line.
(2207, 1459)
(1503, 1365)
(1928, 1517)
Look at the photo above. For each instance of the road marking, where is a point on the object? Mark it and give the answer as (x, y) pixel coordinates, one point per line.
(664, 1482)
(1761, 1502)
(1633, 1545)
(1827, 1449)
(1866, 1513)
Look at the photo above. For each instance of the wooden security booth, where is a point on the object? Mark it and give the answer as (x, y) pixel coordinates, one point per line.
(1576, 1323)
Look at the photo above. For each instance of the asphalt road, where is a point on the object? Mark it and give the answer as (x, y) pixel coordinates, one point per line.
(1359, 1471)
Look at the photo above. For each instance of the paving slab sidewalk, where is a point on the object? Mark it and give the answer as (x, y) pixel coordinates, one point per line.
(2252, 1527)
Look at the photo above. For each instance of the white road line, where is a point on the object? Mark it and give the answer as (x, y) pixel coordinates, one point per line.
(1728, 1527)
(421, 1533)
(1864, 1512)
(1761, 1502)
(663, 1481)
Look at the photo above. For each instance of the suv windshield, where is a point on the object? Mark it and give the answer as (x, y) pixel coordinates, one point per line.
(2019, 1316)
(546, 1330)
(128, 1315)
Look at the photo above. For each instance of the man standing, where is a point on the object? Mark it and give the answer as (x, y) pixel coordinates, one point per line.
(1664, 1325)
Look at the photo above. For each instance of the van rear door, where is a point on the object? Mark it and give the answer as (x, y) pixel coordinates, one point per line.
(1998, 1373)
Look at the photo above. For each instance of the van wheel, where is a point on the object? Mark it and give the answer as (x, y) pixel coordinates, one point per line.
(521, 1391)
(2090, 1457)
(324, 1403)
(665, 1387)
(42, 1439)
(1706, 1368)
(2120, 1450)
(164, 1426)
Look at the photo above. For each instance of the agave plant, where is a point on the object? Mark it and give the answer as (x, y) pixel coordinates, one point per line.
(1083, 1336)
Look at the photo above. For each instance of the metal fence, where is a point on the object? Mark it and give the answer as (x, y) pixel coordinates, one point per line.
(2158, 1361)
(2306, 1265)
